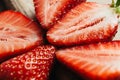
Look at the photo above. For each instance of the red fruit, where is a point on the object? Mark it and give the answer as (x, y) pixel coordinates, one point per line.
(17, 34)
(86, 23)
(48, 12)
(95, 61)
(33, 65)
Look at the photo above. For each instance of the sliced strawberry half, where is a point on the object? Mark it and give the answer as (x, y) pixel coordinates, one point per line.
(99, 61)
(17, 34)
(86, 23)
(49, 11)
(33, 65)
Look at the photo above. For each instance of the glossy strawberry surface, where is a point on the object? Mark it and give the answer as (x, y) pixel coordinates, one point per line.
(33, 65)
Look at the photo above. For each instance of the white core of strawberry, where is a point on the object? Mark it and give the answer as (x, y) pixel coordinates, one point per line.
(68, 28)
(50, 6)
(107, 58)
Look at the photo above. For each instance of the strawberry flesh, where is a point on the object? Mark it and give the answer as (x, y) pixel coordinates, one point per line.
(88, 22)
(49, 12)
(99, 61)
(33, 65)
(17, 34)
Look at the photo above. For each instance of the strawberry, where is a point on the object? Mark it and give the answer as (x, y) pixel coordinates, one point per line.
(88, 22)
(99, 61)
(33, 65)
(17, 34)
(49, 12)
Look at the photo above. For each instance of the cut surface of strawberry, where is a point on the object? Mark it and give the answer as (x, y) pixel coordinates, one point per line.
(88, 22)
(17, 33)
(33, 65)
(100, 61)
(48, 12)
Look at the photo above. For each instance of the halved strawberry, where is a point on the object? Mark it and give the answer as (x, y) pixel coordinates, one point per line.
(86, 23)
(17, 34)
(33, 65)
(99, 61)
(49, 11)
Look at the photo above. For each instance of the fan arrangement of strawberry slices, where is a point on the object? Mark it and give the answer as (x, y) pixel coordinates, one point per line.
(78, 33)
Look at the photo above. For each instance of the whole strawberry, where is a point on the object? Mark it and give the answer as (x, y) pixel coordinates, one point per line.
(33, 65)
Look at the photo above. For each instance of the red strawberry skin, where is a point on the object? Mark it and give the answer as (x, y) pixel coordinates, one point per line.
(100, 61)
(49, 12)
(33, 65)
(17, 34)
(88, 22)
